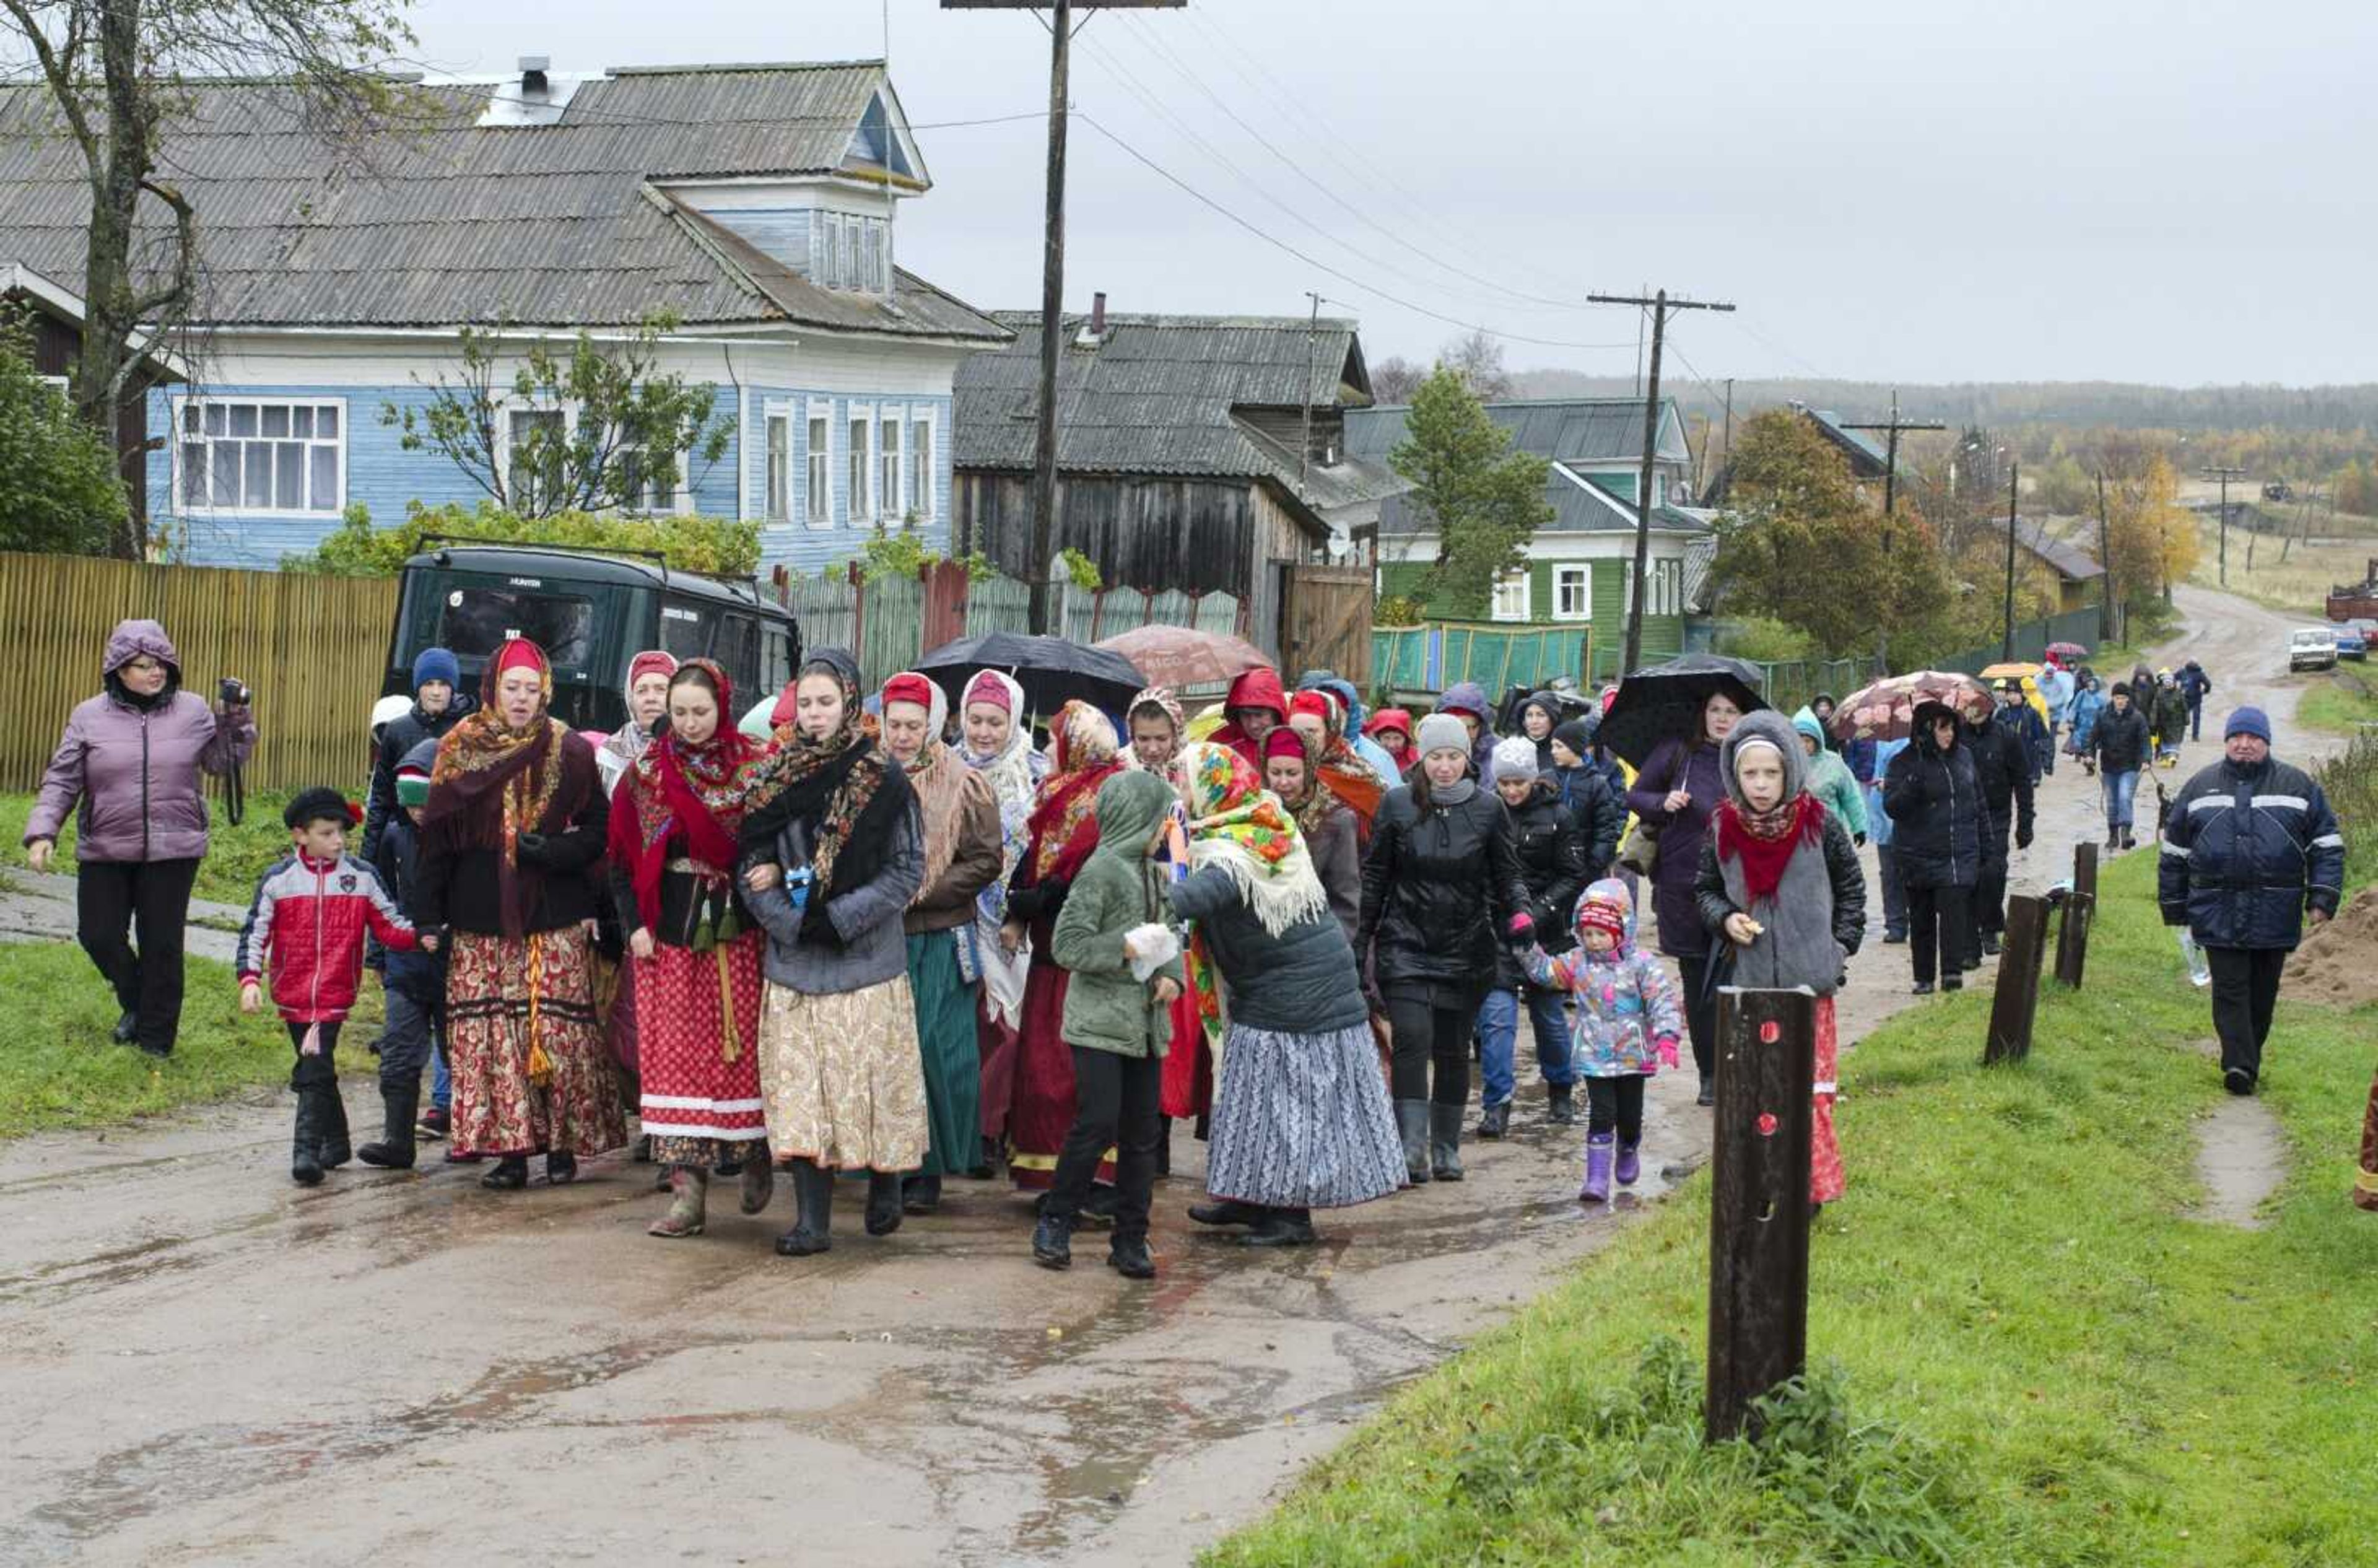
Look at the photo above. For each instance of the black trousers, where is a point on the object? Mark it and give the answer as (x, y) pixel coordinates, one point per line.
(1615, 1103)
(1989, 892)
(1701, 1010)
(1939, 927)
(118, 902)
(2245, 989)
(1894, 894)
(1116, 1106)
(314, 1079)
(1429, 1035)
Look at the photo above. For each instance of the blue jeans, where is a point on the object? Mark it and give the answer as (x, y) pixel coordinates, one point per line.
(2120, 788)
(1498, 1030)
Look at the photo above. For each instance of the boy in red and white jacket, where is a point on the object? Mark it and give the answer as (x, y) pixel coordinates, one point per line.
(308, 920)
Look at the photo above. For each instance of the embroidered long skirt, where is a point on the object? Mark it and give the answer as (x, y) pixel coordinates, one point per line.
(1040, 1104)
(1188, 1084)
(842, 1078)
(1302, 1121)
(2365, 1181)
(1825, 1179)
(509, 1003)
(701, 1101)
(950, 1054)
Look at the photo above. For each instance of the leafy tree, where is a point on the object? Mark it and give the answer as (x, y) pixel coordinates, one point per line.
(1395, 380)
(117, 72)
(2151, 536)
(626, 428)
(904, 554)
(720, 546)
(1485, 500)
(1796, 546)
(59, 487)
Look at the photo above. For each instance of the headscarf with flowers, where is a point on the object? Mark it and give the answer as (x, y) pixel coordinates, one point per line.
(841, 782)
(1350, 778)
(1161, 700)
(1065, 820)
(1311, 806)
(1238, 825)
(689, 795)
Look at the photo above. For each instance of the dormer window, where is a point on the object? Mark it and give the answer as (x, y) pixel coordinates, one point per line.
(854, 252)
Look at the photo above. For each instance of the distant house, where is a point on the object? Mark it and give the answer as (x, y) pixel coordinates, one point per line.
(1580, 566)
(1868, 459)
(2077, 572)
(754, 203)
(1184, 462)
(55, 313)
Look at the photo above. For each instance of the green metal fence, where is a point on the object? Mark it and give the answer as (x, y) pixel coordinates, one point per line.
(1410, 661)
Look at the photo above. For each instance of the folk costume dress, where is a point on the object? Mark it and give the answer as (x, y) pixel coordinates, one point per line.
(840, 1075)
(1062, 831)
(1014, 772)
(673, 853)
(960, 817)
(511, 838)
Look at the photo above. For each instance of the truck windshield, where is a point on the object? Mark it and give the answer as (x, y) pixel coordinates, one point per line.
(476, 620)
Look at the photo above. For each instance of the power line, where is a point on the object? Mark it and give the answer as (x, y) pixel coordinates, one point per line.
(1315, 262)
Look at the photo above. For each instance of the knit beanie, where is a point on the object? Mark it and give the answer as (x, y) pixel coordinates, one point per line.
(2248, 721)
(2122, 689)
(316, 804)
(435, 663)
(1576, 735)
(412, 785)
(1515, 758)
(1601, 914)
(986, 689)
(1446, 732)
(651, 662)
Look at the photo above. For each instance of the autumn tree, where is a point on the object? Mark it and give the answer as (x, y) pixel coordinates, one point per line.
(2150, 535)
(117, 72)
(1395, 378)
(1484, 500)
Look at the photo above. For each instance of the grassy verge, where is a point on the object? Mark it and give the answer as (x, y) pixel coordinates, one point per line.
(2341, 703)
(2297, 585)
(235, 855)
(2042, 1361)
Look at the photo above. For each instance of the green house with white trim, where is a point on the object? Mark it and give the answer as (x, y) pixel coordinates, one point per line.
(1579, 566)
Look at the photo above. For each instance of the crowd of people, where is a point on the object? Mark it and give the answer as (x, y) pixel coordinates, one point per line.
(893, 938)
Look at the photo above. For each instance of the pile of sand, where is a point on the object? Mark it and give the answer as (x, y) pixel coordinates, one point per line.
(2338, 964)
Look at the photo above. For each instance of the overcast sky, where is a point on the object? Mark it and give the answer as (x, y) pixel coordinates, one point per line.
(1921, 190)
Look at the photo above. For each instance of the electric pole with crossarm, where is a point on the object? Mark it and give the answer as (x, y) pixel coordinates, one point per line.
(1894, 425)
(2225, 475)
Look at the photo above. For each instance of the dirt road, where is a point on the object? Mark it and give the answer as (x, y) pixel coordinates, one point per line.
(207, 1365)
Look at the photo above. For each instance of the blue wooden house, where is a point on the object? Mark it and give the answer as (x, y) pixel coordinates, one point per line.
(757, 205)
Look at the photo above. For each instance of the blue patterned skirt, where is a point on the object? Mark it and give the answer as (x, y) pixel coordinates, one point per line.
(1302, 1122)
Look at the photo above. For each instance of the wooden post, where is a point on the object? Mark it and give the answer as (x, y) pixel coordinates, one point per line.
(2016, 1001)
(1759, 1201)
(2080, 909)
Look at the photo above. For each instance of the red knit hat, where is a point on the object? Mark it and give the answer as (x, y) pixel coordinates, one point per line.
(1282, 741)
(1316, 703)
(912, 686)
(988, 690)
(1600, 914)
(651, 662)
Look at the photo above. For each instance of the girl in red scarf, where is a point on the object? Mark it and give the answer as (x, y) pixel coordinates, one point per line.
(693, 950)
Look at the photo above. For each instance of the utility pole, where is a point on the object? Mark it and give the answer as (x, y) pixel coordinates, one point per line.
(1729, 420)
(1304, 443)
(2225, 475)
(1660, 306)
(2106, 632)
(1061, 28)
(2014, 478)
(1890, 503)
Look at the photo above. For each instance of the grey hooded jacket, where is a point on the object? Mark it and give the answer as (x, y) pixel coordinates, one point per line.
(1816, 917)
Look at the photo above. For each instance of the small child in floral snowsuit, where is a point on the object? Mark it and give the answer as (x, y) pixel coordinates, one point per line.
(1628, 1019)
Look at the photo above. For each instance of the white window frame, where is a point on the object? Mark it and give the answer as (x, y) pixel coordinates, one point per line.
(681, 502)
(1498, 607)
(924, 479)
(830, 240)
(1664, 577)
(776, 465)
(209, 508)
(849, 263)
(1583, 572)
(891, 471)
(870, 248)
(817, 467)
(857, 507)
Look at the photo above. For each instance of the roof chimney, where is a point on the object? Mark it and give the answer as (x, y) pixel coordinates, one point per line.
(533, 80)
(1099, 313)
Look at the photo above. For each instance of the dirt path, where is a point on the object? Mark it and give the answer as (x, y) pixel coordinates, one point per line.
(211, 1366)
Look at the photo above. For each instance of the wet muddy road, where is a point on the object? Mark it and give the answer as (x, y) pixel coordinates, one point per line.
(208, 1365)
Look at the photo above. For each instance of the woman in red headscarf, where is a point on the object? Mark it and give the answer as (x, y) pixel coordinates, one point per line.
(511, 836)
(1064, 830)
(694, 950)
(1317, 716)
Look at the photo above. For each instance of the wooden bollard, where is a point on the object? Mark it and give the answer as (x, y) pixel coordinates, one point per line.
(2016, 1001)
(2080, 909)
(1759, 1201)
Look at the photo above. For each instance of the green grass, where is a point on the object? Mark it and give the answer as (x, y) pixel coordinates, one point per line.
(235, 855)
(2342, 703)
(2040, 1360)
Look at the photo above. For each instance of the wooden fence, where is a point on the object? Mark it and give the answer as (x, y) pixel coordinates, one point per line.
(313, 648)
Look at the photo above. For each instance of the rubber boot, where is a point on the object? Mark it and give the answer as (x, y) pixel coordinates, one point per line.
(1597, 1169)
(1560, 1105)
(691, 1186)
(304, 1166)
(1412, 1123)
(1494, 1120)
(1282, 1227)
(1052, 1241)
(921, 1194)
(331, 1109)
(1228, 1211)
(510, 1175)
(813, 1200)
(1629, 1168)
(882, 1203)
(758, 1181)
(1129, 1256)
(1444, 1142)
(394, 1150)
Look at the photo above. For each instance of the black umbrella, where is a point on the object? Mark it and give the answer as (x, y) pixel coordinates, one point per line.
(1664, 701)
(1051, 670)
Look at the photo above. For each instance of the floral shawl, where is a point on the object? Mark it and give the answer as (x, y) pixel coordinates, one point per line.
(842, 784)
(1161, 699)
(1353, 781)
(940, 781)
(691, 796)
(1238, 825)
(1065, 822)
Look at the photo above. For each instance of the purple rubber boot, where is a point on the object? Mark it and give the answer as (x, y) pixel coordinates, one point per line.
(1629, 1168)
(1597, 1169)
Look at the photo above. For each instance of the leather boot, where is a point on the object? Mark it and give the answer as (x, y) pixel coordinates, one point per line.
(1630, 1167)
(331, 1109)
(921, 1194)
(1597, 1169)
(1282, 1227)
(813, 1200)
(1129, 1257)
(304, 1166)
(510, 1175)
(1444, 1142)
(1494, 1120)
(394, 1150)
(1228, 1211)
(1412, 1123)
(1052, 1241)
(758, 1182)
(1560, 1105)
(691, 1186)
(882, 1203)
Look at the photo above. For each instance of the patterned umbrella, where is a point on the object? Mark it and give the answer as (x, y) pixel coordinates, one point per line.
(1182, 657)
(1886, 710)
(2067, 653)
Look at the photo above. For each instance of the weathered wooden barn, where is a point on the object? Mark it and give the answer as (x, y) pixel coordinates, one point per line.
(1179, 462)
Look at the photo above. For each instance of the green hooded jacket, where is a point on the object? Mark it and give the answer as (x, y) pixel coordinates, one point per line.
(1829, 778)
(1117, 889)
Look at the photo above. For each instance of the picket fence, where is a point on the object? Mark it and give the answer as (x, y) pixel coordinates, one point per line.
(313, 649)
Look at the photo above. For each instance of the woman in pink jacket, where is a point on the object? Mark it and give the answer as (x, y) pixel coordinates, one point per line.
(128, 769)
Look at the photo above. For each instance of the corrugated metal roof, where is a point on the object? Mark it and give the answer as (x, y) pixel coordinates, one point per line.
(1157, 396)
(1867, 461)
(2070, 561)
(432, 219)
(1579, 505)
(1564, 429)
